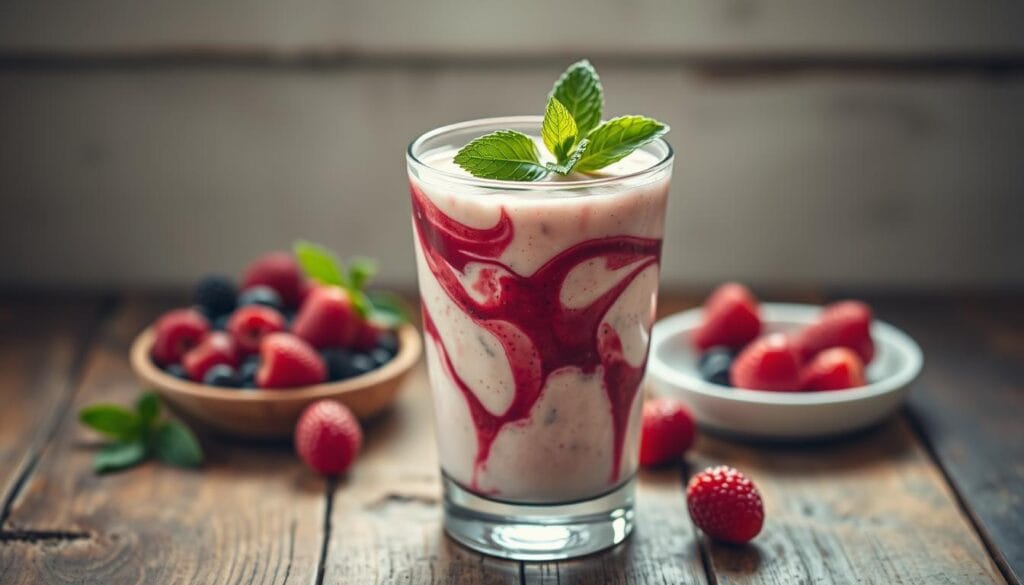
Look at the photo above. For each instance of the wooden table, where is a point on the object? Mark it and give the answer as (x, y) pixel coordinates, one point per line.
(935, 495)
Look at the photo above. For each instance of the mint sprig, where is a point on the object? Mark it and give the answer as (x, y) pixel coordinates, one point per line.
(572, 132)
(138, 435)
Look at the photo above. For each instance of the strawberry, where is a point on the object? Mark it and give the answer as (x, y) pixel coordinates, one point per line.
(217, 348)
(667, 431)
(249, 324)
(328, 437)
(731, 318)
(368, 335)
(327, 318)
(770, 363)
(725, 505)
(279, 271)
(288, 362)
(833, 369)
(177, 332)
(842, 324)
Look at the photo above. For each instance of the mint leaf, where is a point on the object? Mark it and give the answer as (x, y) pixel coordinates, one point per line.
(615, 139)
(174, 443)
(320, 264)
(387, 308)
(361, 271)
(558, 130)
(148, 407)
(112, 420)
(570, 165)
(579, 90)
(506, 155)
(119, 456)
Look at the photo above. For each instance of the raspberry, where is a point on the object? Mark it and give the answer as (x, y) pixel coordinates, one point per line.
(725, 505)
(833, 369)
(770, 363)
(667, 431)
(842, 324)
(217, 348)
(327, 318)
(731, 318)
(328, 437)
(279, 271)
(251, 323)
(288, 362)
(177, 332)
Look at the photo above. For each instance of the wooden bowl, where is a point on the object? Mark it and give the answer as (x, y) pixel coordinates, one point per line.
(271, 414)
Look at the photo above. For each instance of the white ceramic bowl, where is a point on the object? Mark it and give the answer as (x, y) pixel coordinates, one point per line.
(672, 371)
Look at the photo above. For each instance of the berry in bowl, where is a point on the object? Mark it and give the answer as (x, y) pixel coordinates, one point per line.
(782, 371)
(246, 360)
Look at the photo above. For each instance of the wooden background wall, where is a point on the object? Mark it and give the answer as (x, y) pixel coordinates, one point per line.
(868, 143)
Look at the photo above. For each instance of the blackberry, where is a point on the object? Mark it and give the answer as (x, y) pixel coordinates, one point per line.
(215, 295)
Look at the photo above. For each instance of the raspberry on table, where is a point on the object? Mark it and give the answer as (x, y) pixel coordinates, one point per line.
(725, 505)
(328, 437)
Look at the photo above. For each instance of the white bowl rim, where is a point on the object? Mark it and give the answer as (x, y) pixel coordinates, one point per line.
(670, 327)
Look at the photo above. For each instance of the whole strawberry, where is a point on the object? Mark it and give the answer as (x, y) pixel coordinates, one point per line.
(843, 324)
(725, 505)
(731, 318)
(667, 431)
(279, 271)
(177, 332)
(327, 318)
(770, 363)
(328, 437)
(218, 348)
(837, 368)
(288, 362)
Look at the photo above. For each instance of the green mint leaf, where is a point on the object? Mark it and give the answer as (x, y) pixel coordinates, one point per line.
(506, 155)
(558, 130)
(570, 165)
(320, 264)
(361, 271)
(112, 420)
(579, 90)
(118, 456)
(388, 309)
(174, 443)
(148, 407)
(615, 139)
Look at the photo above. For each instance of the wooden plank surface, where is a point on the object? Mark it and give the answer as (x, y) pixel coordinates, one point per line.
(41, 341)
(253, 514)
(968, 405)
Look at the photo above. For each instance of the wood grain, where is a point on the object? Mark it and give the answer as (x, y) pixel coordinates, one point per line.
(252, 514)
(41, 340)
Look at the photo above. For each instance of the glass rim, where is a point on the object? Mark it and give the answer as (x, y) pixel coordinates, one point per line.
(414, 161)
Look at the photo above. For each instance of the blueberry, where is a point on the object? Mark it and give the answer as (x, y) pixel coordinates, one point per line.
(221, 375)
(339, 363)
(247, 372)
(221, 322)
(381, 356)
(362, 363)
(261, 295)
(387, 340)
(714, 365)
(177, 371)
(215, 295)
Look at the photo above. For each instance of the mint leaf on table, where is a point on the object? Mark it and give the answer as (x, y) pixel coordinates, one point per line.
(505, 155)
(174, 443)
(570, 165)
(617, 138)
(579, 90)
(320, 264)
(117, 456)
(112, 420)
(148, 408)
(558, 130)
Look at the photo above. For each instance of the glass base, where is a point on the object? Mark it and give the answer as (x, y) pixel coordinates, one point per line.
(538, 532)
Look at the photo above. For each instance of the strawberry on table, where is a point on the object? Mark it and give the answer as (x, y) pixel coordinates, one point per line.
(731, 318)
(177, 332)
(725, 505)
(251, 323)
(327, 318)
(288, 361)
(667, 431)
(842, 324)
(328, 437)
(217, 348)
(837, 368)
(279, 271)
(770, 363)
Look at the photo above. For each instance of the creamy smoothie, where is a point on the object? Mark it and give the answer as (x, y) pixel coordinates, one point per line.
(537, 306)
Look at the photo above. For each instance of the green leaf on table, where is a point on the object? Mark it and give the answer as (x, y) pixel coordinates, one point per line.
(505, 155)
(148, 408)
(617, 138)
(558, 130)
(117, 456)
(570, 165)
(579, 90)
(174, 443)
(388, 308)
(361, 271)
(112, 420)
(320, 264)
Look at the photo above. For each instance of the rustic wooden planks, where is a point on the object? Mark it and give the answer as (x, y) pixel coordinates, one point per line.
(253, 514)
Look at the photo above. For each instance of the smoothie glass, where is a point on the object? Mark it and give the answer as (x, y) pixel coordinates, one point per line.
(538, 299)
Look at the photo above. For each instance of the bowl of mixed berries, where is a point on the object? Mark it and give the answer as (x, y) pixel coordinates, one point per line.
(781, 370)
(248, 356)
